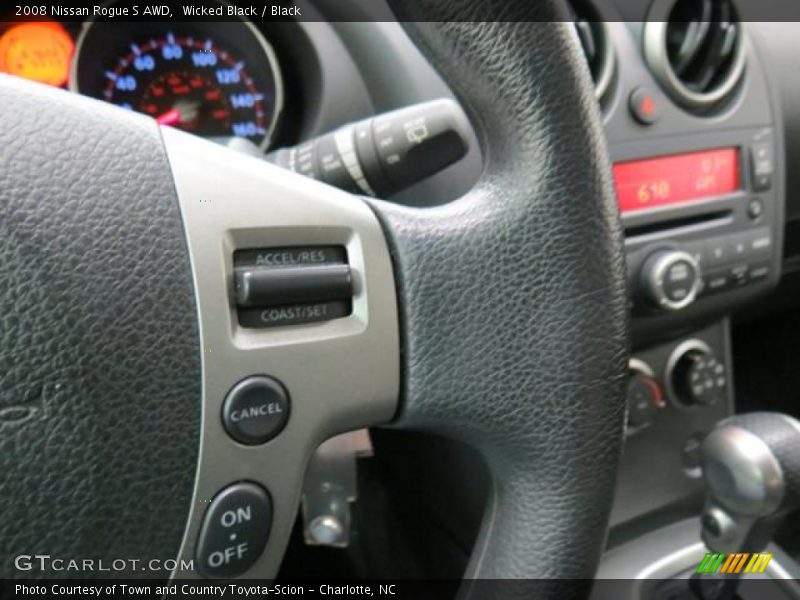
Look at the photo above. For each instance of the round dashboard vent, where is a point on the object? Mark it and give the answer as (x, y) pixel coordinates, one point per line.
(696, 50)
(596, 43)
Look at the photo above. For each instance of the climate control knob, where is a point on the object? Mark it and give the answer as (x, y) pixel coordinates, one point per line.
(645, 399)
(670, 279)
(696, 376)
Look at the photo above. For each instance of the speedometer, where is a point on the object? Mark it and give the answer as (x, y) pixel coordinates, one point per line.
(214, 80)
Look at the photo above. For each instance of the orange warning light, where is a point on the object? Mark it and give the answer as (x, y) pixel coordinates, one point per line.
(40, 51)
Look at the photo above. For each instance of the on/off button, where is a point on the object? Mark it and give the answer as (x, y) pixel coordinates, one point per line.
(255, 410)
(235, 530)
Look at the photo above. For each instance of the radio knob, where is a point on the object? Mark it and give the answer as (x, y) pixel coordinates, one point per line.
(670, 279)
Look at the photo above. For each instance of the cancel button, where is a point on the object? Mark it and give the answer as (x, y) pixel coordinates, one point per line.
(255, 410)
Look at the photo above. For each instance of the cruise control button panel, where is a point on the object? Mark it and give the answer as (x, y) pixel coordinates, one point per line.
(235, 530)
(276, 287)
(255, 410)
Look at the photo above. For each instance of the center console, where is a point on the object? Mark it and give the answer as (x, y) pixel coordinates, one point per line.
(700, 189)
(696, 144)
(700, 186)
(677, 392)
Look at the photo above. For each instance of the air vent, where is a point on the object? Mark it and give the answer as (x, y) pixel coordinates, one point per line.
(696, 50)
(596, 42)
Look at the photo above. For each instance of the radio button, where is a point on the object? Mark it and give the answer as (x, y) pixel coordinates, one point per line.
(761, 166)
(759, 243)
(761, 182)
(758, 272)
(739, 275)
(716, 252)
(755, 208)
(738, 247)
(716, 282)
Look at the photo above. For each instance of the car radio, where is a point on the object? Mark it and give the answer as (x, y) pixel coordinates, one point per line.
(700, 223)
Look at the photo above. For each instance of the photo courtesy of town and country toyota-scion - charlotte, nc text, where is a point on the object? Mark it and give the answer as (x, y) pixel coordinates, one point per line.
(157, 11)
(190, 590)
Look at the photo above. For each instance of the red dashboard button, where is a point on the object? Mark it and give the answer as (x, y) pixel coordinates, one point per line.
(643, 106)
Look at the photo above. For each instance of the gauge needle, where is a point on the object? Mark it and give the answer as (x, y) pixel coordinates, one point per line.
(171, 117)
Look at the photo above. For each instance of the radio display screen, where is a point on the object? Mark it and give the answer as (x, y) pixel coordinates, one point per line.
(676, 179)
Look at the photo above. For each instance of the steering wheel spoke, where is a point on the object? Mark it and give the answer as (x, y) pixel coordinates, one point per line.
(337, 375)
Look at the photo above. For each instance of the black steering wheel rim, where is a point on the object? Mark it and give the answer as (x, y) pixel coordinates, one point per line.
(513, 298)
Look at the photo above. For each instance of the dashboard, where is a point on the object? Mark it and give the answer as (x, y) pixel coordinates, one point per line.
(699, 123)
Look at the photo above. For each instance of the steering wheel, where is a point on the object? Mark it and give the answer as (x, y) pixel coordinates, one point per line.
(499, 319)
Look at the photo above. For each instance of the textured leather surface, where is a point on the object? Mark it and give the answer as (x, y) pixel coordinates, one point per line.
(100, 357)
(513, 297)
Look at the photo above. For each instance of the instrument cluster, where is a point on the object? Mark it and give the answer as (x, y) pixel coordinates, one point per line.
(215, 80)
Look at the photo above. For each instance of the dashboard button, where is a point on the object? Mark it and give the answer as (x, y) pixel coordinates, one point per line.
(255, 410)
(761, 182)
(761, 166)
(716, 251)
(739, 275)
(738, 247)
(235, 530)
(755, 208)
(716, 282)
(758, 271)
(643, 106)
(759, 242)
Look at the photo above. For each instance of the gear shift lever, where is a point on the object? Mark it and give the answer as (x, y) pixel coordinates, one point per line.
(751, 465)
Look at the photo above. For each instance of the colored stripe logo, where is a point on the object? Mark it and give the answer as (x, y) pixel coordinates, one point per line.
(742, 562)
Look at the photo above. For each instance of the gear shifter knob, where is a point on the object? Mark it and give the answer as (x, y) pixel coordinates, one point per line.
(751, 464)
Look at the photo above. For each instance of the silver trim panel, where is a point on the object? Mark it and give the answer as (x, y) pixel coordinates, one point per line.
(341, 374)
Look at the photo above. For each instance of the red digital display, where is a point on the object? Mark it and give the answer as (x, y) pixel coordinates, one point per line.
(643, 184)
